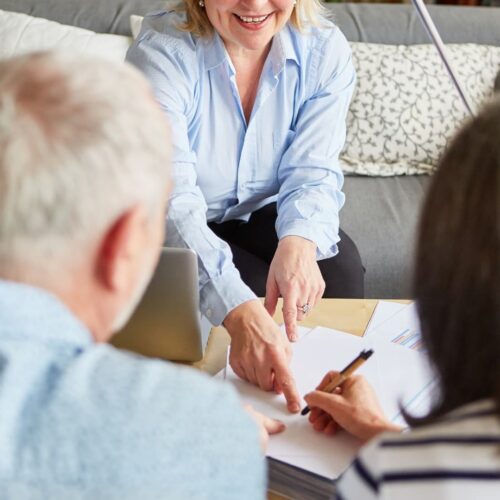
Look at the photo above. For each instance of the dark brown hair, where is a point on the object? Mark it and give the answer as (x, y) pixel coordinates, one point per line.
(456, 280)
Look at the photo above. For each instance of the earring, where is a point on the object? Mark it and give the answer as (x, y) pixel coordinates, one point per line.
(201, 3)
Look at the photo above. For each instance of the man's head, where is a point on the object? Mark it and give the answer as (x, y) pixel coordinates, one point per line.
(84, 179)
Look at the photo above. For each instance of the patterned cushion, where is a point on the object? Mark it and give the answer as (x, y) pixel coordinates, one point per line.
(405, 108)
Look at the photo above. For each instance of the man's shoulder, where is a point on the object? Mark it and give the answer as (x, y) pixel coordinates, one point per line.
(138, 380)
(111, 416)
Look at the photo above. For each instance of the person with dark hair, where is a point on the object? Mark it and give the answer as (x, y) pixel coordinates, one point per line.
(453, 451)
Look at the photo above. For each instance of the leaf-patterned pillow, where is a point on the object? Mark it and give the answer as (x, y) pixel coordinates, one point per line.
(405, 108)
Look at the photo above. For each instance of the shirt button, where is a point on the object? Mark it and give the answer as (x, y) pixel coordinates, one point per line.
(208, 313)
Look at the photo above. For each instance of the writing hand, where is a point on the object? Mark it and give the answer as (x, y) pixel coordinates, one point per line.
(353, 407)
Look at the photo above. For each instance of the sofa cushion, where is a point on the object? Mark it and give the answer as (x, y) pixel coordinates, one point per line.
(20, 33)
(381, 216)
(405, 108)
(393, 24)
(101, 16)
(400, 24)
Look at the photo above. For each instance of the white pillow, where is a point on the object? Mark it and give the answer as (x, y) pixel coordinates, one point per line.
(405, 109)
(135, 25)
(20, 33)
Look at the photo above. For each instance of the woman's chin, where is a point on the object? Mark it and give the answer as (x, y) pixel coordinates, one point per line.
(254, 41)
(250, 38)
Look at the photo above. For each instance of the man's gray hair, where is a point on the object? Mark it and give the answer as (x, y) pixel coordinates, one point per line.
(81, 140)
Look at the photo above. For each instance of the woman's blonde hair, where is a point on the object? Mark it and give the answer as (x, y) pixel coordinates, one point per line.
(305, 13)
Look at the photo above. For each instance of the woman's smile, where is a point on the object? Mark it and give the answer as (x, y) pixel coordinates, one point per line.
(252, 22)
(248, 24)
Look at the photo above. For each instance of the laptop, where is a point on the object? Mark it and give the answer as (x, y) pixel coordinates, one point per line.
(166, 323)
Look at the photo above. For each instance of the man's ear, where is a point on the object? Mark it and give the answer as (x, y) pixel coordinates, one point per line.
(118, 252)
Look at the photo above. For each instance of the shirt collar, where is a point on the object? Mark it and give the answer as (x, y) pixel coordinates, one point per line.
(215, 52)
(282, 49)
(37, 315)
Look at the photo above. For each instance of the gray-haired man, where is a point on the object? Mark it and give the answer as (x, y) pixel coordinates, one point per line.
(84, 154)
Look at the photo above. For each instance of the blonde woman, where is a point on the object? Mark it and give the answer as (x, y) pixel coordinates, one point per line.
(256, 92)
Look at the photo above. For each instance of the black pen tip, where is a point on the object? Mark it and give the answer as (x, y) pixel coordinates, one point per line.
(305, 410)
(367, 353)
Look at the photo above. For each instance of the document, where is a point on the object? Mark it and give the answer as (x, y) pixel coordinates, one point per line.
(398, 374)
(313, 355)
(401, 328)
(383, 311)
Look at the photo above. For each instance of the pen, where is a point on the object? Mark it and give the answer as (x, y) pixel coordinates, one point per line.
(343, 375)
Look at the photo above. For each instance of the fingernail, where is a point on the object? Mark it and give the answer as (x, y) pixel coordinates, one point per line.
(294, 337)
(295, 408)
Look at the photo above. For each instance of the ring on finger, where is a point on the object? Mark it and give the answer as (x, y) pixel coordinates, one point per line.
(305, 308)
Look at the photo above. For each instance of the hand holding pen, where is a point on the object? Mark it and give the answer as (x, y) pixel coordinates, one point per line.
(341, 377)
(353, 406)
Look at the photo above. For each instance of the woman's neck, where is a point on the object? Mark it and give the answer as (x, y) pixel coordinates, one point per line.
(248, 65)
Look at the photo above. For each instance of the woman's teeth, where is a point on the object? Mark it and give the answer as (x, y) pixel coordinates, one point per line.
(254, 20)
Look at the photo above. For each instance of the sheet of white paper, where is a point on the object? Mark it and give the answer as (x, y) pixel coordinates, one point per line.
(383, 312)
(397, 374)
(317, 352)
(405, 378)
(402, 328)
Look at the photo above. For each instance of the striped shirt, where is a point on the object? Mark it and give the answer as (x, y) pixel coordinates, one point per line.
(457, 457)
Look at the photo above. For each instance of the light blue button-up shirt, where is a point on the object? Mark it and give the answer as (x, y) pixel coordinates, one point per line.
(80, 420)
(225, 168)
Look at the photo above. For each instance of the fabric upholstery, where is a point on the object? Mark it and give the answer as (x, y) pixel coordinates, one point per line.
(405, 109)
(101, 16)
(20, 34)
(392, 24)
(381, 215)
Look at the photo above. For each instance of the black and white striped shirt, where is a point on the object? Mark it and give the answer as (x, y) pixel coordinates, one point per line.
(457, 457)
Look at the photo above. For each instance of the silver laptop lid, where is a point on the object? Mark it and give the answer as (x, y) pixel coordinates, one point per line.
(166, 324)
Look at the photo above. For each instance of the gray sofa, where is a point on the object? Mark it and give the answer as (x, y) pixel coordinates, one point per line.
(380, 213)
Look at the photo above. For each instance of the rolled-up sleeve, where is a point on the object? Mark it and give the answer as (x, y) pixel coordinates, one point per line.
(172, 71)
(310, 178)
